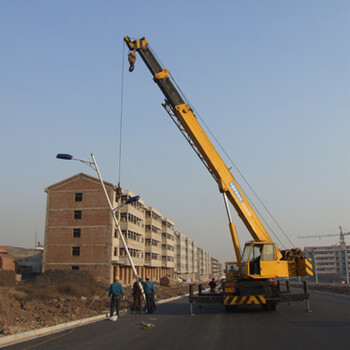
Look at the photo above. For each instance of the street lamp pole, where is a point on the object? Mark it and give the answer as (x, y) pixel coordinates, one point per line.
(94, 166)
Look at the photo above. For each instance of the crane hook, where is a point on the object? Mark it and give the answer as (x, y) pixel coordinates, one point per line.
(132, 60)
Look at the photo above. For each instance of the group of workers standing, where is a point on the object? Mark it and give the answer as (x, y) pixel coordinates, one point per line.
(116, 294)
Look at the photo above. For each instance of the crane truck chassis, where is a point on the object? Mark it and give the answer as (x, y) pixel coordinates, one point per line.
(242, 294)
(255, 278)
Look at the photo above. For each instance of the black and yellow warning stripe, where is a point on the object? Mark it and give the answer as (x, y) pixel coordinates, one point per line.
(245, 300)
(309, 267)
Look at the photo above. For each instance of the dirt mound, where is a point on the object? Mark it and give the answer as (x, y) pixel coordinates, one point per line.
(20, 313)
(62, 296)
(57, 283)
(66, 276)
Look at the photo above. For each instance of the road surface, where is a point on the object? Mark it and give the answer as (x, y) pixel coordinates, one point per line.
(326, 327)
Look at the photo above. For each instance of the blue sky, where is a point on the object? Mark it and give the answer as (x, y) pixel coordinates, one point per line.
(271, 79)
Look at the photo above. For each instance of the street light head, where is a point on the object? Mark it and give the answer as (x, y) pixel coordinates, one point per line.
(132, 199)
(64, 156)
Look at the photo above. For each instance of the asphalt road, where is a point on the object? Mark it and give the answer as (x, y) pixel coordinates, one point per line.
(326, 327)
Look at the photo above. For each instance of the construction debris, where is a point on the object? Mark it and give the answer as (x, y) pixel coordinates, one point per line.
(167, 281)
(147, 325)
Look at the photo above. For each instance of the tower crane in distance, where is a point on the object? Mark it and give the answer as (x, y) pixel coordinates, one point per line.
(341, 235)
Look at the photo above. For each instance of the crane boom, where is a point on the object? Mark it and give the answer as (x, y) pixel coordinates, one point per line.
(186, 120)
(250, 279)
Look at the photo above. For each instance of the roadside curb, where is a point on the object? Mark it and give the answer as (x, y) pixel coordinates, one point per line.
(41, 332)
(316, 291)
(320, 291)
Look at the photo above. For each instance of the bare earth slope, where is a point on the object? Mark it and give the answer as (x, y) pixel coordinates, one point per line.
(61, 296)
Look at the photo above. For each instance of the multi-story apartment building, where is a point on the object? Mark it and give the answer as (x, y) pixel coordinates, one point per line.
(168, 246)
(132, 225)
(180, 240)
(329, 261)
(216, 268)
(204, 264)
(191, 259)
(79, 230)
(80, 234)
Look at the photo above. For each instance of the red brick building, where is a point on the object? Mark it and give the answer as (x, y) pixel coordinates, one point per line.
(78, 226)
(80, 232)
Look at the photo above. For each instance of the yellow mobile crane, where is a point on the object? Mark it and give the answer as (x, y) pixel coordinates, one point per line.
(253, 278)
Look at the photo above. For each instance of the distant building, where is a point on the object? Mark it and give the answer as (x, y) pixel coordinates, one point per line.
(329, 262)
(204, 264)
(25, 262)
(7, 262)
(217, 270)
(181, 269)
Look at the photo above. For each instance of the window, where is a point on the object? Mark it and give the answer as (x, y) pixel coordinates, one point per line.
(115, 251)
(115, 234)
(122, 252)
(77, 214)
(76, 232)
(75, 267)
(132, 218)
(167, 224)
(78, 197)
(246, 253)
(257, 251)
(268, 253)
(132, 235)
(76, 251)
(151, 228)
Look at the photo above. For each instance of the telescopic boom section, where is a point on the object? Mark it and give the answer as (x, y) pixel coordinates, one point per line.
(208, 154)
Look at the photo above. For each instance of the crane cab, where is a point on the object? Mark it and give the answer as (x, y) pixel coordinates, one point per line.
(261, 261)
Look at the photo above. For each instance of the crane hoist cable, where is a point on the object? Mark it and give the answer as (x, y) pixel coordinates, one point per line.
(121, 121)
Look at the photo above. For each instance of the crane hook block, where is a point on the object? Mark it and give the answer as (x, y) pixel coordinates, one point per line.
(132, 60)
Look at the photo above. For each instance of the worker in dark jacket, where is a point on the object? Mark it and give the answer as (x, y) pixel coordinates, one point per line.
(150, 294)
(116, 293)
(137, 296)
(212, 286)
